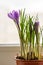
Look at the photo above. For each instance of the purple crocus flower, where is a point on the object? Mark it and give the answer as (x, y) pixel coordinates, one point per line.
(14, 15)
(36, 24)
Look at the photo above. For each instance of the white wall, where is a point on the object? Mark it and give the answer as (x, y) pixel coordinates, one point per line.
(8, 31)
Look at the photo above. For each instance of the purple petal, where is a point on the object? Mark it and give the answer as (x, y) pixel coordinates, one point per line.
(10, 15)
(13, 13)
(36, 24)
(15, 16)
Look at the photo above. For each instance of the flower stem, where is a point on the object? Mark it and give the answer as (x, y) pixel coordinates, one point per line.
(37, 41)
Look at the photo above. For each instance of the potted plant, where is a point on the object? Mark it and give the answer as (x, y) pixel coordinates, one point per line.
(29, 35)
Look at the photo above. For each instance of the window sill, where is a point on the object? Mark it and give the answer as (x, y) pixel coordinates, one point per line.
(9, 45)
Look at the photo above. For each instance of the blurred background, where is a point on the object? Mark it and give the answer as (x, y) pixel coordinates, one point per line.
(9, 39)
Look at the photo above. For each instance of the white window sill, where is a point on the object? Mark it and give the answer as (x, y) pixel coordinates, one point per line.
(9, 45)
